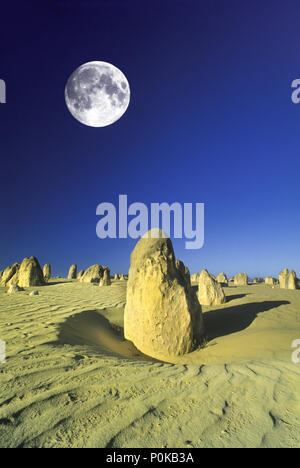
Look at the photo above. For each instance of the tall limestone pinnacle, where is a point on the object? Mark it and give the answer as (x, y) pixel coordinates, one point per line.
(47, 272)
(288, 279)
(210, 291)
(72, 272)
(30, 273)
(162, 314)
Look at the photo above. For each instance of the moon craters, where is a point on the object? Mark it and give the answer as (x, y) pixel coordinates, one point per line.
(97, 94)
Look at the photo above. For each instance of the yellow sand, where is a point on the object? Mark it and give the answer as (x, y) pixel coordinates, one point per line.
(71, 380)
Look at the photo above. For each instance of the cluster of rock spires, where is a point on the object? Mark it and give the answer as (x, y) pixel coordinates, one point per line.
(93, 274)
(271, 281)
(122, 277)
(241, 279)
(210, 289)
(29, 273)
(105, 280)
(24, 275)
(163, 315)
(222, 278)
(257, 280)
(288, 279)
(96, 274)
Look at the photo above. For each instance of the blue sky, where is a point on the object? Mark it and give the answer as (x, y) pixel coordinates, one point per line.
(210, 120)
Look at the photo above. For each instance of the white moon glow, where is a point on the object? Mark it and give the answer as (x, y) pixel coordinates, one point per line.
(97, 94)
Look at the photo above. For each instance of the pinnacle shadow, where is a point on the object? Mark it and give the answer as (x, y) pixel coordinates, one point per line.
(228, 298)
(90, 328)
(53, 283)
(235, 296)
(222, 322)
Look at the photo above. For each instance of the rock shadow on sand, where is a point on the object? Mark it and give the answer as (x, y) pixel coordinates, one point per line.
(235, 296)
(91, 328)
(222, 322)
(54, 283)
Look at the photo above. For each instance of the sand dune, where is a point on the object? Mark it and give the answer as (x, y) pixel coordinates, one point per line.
(71, 380)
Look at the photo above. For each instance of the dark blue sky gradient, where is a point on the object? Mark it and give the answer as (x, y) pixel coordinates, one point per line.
(210, 120)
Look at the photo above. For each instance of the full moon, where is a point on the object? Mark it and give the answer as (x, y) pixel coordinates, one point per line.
(97, 94)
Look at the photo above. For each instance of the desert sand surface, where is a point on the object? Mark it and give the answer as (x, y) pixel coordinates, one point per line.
(71, 380)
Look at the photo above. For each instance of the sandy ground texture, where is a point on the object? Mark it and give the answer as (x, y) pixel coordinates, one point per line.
(71, 380)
